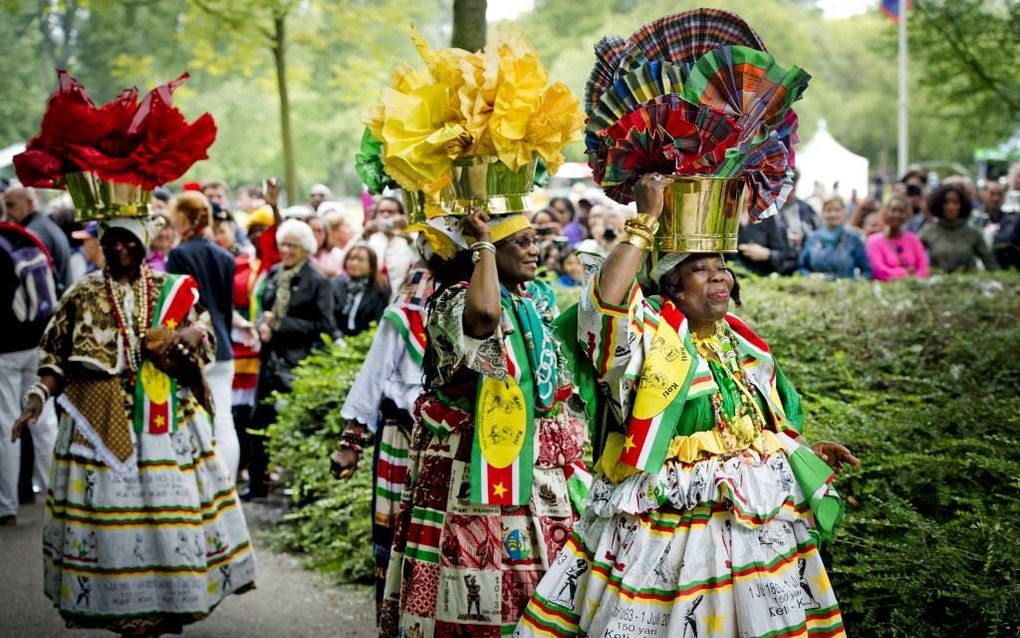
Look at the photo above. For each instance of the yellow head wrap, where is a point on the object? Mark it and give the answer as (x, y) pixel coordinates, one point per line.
(503, 227)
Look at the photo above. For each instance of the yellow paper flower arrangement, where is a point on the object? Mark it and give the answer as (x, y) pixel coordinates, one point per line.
(493, 102)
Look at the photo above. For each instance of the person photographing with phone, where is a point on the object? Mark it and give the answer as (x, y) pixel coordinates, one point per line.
(386, 235)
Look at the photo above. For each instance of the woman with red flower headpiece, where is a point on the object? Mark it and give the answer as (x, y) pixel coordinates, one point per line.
(143, 531)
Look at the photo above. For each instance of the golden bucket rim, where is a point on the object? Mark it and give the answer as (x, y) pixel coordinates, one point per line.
(422, 207)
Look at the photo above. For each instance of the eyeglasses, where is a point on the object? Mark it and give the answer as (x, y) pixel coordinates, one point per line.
(523, 243)
(291, 245)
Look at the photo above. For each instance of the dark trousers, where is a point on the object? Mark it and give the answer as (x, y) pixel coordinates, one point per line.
(25, 493)
(242, 421)
(258, 457)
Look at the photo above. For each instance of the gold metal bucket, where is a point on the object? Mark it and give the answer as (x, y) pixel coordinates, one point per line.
(484, 181)
(422, 207)
(96, 199)
(701, 215)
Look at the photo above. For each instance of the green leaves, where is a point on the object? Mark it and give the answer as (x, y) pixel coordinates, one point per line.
(332, 524)
(920, 380)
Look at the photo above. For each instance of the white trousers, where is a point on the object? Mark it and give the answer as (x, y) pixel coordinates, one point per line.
(17, 374)
(220, 377)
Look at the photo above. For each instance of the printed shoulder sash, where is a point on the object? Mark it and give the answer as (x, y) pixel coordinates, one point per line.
(155, 390)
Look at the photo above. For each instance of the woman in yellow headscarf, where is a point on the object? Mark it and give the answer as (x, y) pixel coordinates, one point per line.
(486, 507)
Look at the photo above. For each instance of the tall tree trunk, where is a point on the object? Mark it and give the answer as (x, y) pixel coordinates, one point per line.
(469, 24)
(60, 38)
(279, 57)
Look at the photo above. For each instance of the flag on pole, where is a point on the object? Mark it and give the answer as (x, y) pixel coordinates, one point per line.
(891, 8)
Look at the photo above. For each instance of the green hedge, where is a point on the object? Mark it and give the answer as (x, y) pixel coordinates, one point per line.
(920, 379)
(331, 522)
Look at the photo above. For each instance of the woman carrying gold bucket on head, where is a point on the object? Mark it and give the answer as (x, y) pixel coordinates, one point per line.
(697, 489)
(708, 506)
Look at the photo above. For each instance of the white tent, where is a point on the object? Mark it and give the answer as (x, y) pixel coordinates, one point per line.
(825, 161)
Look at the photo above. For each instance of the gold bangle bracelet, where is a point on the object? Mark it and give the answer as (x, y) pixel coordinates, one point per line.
(645, 222)
(640, 232)
(635, 240)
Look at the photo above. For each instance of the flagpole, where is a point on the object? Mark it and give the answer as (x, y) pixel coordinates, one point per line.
(901, 146)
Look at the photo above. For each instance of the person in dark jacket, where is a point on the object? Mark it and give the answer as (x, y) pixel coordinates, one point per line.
(297, 310)
(22, 208)
(764, 247)
(360, 295)
(27, 302)
(213, 269)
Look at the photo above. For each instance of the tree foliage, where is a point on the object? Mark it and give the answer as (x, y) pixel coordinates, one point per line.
(339, 54)
(970, 48)
(963, 81)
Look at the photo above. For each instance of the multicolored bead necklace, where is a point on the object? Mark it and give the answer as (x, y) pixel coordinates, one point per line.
(748, 421)
(142, 314)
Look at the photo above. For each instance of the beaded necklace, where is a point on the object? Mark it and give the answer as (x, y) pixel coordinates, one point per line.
(748, 421)
(142, 314)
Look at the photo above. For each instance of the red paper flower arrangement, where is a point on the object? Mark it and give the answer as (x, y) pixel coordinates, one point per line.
(146, 143)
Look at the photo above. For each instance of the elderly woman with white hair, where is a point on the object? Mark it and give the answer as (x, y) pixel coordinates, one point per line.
(297, 306)
(341, 230)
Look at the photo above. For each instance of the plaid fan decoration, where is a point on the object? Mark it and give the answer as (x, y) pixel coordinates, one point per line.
(693, 94)
(748, 84)
(666, 135)
(683, 38)
(603, 74)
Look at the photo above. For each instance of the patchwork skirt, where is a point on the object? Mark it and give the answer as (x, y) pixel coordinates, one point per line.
(718, 547)
(462, 569)
(150, 548)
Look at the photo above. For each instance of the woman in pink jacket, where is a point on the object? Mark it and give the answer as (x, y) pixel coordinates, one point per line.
(896, 253)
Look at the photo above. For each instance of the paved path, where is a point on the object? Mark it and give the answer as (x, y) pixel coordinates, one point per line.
(289, 600)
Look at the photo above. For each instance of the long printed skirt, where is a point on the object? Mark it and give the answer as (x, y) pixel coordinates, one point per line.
(389, 461)
(149, 550)
(713, 548)
(461, 569)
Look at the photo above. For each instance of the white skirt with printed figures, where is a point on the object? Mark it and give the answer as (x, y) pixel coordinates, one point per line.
(150, 547)
(719, 547)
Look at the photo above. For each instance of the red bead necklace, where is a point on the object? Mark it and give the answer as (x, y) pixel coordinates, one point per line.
(143, 317)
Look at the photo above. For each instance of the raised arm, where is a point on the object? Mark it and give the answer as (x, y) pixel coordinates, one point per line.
(482, 310)
(271, 192)
(622, 266)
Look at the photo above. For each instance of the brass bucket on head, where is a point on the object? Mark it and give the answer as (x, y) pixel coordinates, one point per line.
(701, 214)
(414, 202)
(96, 199)
(422, 207)
(485, 182)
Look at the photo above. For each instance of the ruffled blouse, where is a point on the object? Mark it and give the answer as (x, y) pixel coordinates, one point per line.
(615, 338)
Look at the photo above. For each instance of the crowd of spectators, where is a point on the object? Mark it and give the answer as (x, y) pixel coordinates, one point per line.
(275, 280)
(917, 229)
